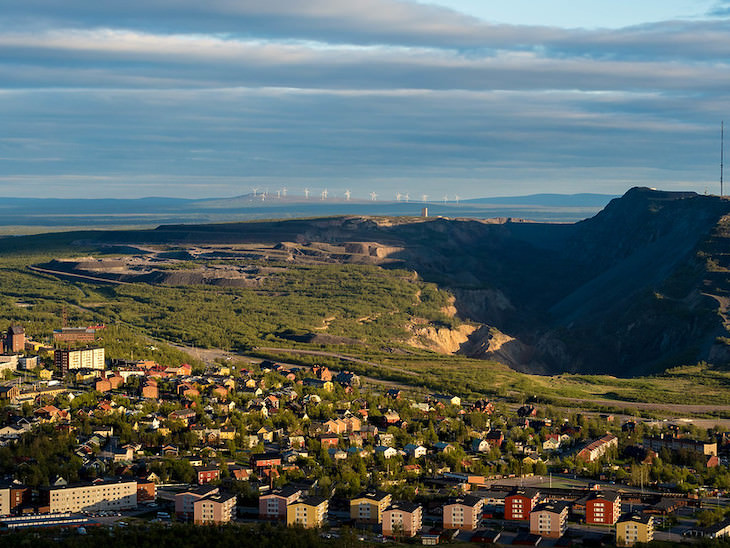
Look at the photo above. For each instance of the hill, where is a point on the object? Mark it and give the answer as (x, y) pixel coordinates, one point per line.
(640, 287)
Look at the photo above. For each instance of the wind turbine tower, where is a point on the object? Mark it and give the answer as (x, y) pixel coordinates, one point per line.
(347, 195)
(306, 193)
(373, 196)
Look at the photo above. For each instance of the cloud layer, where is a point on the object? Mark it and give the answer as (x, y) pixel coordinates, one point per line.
(194, 99)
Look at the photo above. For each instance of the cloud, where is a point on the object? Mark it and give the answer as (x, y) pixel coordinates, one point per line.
(374, 93)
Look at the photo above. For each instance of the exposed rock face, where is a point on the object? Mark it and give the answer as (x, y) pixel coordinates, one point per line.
(643, 285)
(440, 339)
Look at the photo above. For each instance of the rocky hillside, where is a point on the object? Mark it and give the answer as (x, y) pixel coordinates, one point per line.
(643, 285)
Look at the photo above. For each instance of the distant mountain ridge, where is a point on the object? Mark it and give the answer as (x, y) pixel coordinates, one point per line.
(103, 212)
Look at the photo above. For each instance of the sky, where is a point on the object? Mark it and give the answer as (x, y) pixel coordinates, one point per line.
(468, 98)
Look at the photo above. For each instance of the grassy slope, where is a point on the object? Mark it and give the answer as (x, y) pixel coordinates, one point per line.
(366, 303)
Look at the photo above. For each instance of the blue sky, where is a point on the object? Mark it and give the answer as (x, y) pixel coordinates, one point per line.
(198, 99)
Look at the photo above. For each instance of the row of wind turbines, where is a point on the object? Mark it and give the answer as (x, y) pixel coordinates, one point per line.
(264, 195)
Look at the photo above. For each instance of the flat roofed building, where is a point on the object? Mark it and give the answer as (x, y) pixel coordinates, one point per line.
(368, 507)
(273, 505)
(309, 512)
(74, 334)
(633, 528)
(519, 503)
(86, 497)
(549, 519)
(464, 513)
(603, 508)
(402, 519)
(86, 358)
(185, 501)
(214, 509)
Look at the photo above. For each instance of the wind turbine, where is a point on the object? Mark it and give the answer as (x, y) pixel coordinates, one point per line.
(255, 190)
(306, 193)
(456, 198)
(398, 196)
(278, 194)
(324, 194)
(373, 196)
(347, 195)
(424, 197)
(446, 198)
(407, 197)
(283, 192)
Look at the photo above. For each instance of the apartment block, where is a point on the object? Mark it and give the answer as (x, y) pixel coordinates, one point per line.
(214, 509)
(603, 508)
(402, 519)
(549, 520)
(309, 512)
(90, 497)
(368, 507)
(464, 513)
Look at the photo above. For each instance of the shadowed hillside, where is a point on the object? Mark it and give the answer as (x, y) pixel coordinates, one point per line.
(641, 286)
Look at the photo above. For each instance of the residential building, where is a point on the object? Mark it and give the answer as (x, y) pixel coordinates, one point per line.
(206, 474)
(672, 443)
(273, 505)
(15, 339)
(214, 509)
(87, 358)
(185, 501)
(95, 496)
(368, 507)
(603, 508)
(596, 449)
(309, 512)
(633, 528)
(519, 503)
(549, 519)
(402, 519)
(464, 513)
(74, 334)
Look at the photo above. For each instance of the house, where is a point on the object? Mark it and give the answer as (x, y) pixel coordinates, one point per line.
(415, 451)
(387, 452)
(633, 528)
(214, 509)
(519, 503)
(402, 519)
(443, 447)
(368, 507)
(464, 513)
(447, 399)
(479, 445)
(495, 438)
(549, 519)
(603, 508)
(206, 474)
(273, 505)
(186, 416)
(309, 512)
(596, 449)
(260, 461)
(527, 411)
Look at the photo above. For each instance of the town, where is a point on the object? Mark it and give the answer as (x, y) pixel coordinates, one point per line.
(91, 440)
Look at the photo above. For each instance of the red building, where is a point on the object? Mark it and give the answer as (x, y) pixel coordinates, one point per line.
(206, 474)
(15, 339)
(603, 508)
(519, 503)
